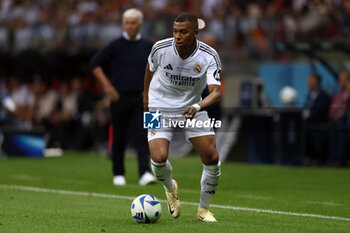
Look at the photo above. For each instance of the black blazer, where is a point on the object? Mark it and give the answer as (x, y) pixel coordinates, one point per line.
(319, 108)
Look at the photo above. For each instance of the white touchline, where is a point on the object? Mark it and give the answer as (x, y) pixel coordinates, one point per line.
(324, 203)
(76, 193)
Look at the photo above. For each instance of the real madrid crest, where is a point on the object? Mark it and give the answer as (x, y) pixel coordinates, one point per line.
(197, 68)
(153, 132)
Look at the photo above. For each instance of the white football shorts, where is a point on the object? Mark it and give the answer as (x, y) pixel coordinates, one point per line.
(200, 125)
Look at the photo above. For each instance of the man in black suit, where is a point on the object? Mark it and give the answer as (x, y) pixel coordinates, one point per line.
(127, 59)
(316, 120)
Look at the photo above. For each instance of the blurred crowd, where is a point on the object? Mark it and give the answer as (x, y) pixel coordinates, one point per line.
(75, 114)
(244, 29)
(52, 88)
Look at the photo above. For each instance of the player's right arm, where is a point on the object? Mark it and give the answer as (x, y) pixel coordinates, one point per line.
(147, 82)
(101, 57)
(151, 68)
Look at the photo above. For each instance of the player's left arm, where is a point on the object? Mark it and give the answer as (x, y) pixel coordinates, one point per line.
(213, 81)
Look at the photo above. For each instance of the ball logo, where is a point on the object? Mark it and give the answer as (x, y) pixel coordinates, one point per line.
(197, 68)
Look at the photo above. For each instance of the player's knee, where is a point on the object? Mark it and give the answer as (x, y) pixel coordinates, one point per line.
(211, 158)
(159, 156)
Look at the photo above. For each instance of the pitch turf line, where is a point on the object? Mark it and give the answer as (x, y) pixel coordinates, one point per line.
(87, 194)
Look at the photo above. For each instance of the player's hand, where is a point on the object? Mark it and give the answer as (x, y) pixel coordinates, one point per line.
(112, 93)
(189, 112)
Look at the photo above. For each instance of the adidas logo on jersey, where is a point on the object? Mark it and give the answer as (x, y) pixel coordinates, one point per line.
(168, 67)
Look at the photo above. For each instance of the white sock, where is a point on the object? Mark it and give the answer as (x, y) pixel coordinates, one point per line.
(209, 183)
(163, 173)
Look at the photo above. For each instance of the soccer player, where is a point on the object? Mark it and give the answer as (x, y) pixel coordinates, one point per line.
(178, 70)
(127, 57)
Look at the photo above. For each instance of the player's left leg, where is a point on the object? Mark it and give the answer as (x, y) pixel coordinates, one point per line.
(206, 147)
(159, 148)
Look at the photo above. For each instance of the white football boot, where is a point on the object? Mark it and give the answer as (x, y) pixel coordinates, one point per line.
(205, 215)
(174, 205)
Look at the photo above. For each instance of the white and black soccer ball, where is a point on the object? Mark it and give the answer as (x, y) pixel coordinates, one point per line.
(146, 209)
(288, 95)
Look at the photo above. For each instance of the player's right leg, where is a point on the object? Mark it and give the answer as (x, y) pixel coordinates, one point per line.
(162, 169)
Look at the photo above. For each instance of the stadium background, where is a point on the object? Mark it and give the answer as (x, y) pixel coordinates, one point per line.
(45, 48)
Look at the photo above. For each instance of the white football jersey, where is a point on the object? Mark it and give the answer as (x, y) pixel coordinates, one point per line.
(178, 83)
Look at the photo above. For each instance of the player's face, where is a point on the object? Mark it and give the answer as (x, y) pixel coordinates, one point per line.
(184, 34)
(132, 27)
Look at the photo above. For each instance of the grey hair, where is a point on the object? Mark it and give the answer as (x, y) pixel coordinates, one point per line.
(133, 13)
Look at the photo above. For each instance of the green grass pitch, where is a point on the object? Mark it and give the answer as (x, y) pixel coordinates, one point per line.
(91, 203)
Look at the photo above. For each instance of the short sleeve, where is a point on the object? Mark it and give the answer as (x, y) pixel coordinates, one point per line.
(153, 59)
(214, 70)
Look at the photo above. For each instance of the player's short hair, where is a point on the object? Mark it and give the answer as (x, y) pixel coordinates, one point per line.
(187, 17)
(133, 13)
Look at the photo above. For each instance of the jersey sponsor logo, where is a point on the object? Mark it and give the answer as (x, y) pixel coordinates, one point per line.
(152, 120)
(181, 80)
(168, 67)
(197, 68)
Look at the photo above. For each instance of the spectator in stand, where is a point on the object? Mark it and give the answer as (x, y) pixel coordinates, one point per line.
(63, 118)
(44, 32)
(4, 37)
(249, 28)
(84, 34)
(22, 35)
(83, 115)
(344, 17)
(316, 120)
(7, 105)
(127, 57)
(45, 102)
(108, 28)
(101, 121)
(338, 130)
(24, 99)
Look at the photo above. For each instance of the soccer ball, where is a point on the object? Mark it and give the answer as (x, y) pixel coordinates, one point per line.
(288, 95)
(146, 209)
